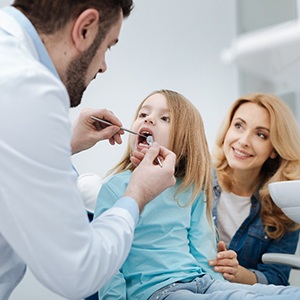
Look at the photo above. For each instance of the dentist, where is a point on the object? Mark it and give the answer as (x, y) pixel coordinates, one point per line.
(49, 53)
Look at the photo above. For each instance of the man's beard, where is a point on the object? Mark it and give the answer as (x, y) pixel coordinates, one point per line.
(76, 73)
(75, 84)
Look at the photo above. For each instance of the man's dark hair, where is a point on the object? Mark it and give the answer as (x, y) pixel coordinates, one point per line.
(49, 16)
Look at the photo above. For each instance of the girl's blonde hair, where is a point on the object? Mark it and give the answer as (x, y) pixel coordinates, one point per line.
(188, 142)
(285, 138)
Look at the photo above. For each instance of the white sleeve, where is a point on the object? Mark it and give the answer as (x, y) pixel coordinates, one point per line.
(42, 215)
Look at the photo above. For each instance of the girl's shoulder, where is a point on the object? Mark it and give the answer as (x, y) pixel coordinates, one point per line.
(118, 179)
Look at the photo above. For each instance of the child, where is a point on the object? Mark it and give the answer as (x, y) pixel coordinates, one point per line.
(174, 238)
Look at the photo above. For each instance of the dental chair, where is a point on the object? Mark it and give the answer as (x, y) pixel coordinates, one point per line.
(286, 195)
(89, 186)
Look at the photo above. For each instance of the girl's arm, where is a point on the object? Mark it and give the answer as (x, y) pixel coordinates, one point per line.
(202, 237)
(114, 289)
(108, 195)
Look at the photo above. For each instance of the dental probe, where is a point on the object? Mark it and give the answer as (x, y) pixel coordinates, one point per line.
(108, 123)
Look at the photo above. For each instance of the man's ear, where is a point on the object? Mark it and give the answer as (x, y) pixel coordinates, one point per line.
(85, 29)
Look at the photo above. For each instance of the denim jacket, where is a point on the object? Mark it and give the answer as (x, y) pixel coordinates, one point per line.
(250, 242)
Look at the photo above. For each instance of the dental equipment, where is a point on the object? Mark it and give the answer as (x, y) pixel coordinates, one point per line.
(108, 123)
(150, 141)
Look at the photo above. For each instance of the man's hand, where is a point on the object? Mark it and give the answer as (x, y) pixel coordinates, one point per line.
(149, 179)
(87, 132)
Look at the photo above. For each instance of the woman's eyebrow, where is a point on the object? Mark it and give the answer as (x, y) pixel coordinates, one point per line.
(258, 127)
(239, 119)
(263, 128)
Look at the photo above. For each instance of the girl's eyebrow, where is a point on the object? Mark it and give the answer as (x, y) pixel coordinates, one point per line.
(258, 127)
(152, 107)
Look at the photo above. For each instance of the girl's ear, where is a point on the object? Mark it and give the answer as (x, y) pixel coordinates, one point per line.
(85, 29)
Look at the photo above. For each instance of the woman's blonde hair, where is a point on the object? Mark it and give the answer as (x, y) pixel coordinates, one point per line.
(285, 138)
(188, 142)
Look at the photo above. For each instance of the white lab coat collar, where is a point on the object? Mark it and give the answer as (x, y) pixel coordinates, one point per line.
(22, 28)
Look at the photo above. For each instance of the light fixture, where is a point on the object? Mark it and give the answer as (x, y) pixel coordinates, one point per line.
(272, 54)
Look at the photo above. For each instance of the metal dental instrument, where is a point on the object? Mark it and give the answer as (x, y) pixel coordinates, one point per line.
(108, 123)
(149, 140)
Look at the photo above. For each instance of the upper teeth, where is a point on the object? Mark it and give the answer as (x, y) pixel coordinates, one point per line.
(241, 153)
(145, 132)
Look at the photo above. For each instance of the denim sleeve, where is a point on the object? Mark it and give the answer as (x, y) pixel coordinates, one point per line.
(261, 278)
(276, 273)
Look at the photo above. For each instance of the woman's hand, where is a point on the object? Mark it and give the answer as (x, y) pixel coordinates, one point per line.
(227, 264)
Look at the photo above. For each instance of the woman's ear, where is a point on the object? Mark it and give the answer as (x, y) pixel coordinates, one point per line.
(273, 154)
(85, 29)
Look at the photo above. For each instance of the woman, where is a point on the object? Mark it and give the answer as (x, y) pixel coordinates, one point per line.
(258, 143)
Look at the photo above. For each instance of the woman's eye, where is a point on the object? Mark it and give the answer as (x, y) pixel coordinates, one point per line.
(262, 135)
(238, 125)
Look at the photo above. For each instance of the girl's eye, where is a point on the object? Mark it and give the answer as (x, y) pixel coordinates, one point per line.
(167, 119)
(142, 115)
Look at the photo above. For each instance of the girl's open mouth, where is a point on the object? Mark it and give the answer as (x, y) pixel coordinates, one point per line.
(143, 139)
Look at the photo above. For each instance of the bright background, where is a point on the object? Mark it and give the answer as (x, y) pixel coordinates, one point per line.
(172, 44)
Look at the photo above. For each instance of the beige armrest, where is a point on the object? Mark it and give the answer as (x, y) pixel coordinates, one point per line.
(283, 259)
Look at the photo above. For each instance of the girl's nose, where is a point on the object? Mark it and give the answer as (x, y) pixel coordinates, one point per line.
(149, 120)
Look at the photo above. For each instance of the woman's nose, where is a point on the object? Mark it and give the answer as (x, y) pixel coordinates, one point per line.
(244, 140)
